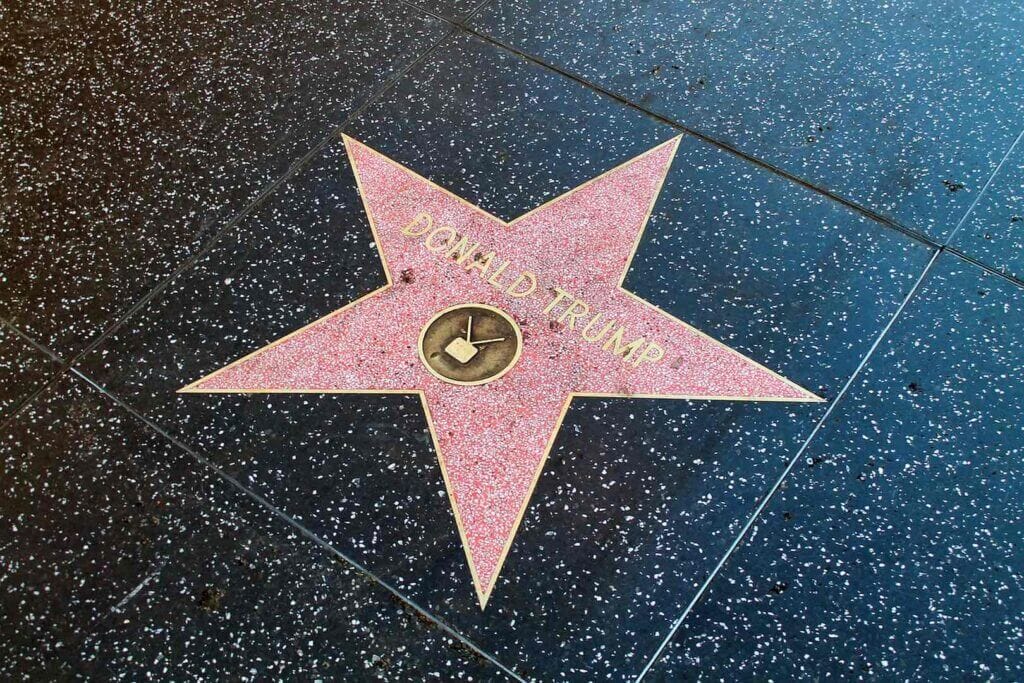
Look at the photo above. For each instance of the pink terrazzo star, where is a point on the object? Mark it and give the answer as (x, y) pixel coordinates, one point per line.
(492, 439)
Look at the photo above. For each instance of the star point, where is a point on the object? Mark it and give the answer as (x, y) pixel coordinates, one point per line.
(556, 273)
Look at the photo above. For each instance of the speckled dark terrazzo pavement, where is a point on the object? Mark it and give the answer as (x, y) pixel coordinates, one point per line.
(145, 533)
(994, 232)
(895, 550)
(904, 107)
(125, 557)
(25, 369)
(132, 135)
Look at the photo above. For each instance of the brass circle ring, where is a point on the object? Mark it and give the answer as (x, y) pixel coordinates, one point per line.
(470, 344)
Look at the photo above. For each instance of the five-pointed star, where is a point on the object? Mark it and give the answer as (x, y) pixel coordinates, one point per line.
(492, 439)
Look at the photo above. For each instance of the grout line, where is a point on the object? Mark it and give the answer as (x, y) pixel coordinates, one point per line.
(984, 266)
(984, 189)
(661, 118)
(942, 248)
(49, 353)
(293, 169)
(454, 21)
(298, 526)
(477, 8)
(303, 161)
(59, 372)
(459, 22)
(852, 205)
(789, 467)
(16, 409)
(188, 263)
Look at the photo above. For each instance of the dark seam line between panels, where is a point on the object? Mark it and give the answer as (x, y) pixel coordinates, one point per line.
(189, 262)
(298, 526)
(849, 203)
(67, 365)
(738, 540)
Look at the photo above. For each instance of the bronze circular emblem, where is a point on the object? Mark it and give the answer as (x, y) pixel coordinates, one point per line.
(470, 344)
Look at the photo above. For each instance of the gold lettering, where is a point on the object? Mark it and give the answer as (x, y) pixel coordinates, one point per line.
(620, 349)
(462, 248)
(577, 309)
(493, 279)
(421, 217)
(562, 294)
(526, 276)
(651, 353)
(436, 248)
(598, 329)
(481, 264)
(591, 323)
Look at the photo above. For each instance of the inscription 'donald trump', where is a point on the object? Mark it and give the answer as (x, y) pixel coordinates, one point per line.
(571, 312)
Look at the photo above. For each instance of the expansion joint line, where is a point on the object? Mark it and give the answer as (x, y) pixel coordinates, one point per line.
(752, 519)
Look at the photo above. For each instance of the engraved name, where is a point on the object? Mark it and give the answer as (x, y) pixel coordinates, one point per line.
(569, 311)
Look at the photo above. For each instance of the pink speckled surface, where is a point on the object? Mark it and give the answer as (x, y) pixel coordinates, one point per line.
(493, 438)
